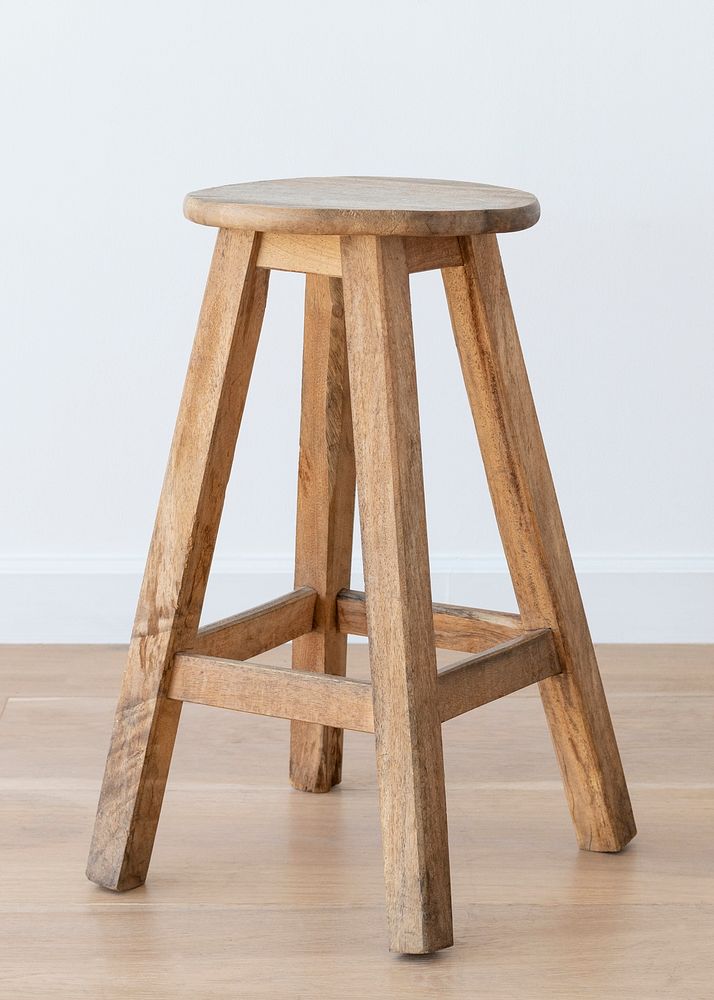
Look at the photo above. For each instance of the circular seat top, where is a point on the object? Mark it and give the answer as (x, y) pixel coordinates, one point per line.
(378, 206)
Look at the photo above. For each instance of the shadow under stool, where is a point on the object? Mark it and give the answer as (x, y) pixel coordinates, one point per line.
(357, 239)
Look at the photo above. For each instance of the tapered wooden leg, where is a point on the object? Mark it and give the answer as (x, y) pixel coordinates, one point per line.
(326, 490)
(535, 544)
(179, 560)
(410, 766)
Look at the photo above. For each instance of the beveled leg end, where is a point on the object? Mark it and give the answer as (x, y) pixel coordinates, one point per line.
(112, 881)
(588, 755)
(610, 836)
(315, 757)
(316, 750)
(432, 935)
(111, 865)
(610, 845)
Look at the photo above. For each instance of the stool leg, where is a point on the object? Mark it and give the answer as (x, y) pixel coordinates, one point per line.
(179, 561)
(325, 516)
(535, 544)
(410, 767)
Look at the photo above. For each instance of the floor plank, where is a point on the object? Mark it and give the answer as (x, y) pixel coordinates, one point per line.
(664, 741)
(501, 952)
(96, 671)
(281, 848)
(241, 859)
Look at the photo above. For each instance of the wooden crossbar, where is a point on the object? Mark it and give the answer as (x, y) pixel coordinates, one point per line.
(347, 704)
(276, 691)
(322, 254)
(496, 672)
(468, 629)
(259, 629)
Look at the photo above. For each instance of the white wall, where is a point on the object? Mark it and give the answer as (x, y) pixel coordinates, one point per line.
(111, 112)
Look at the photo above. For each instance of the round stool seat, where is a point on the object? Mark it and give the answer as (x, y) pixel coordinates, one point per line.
(378, 206)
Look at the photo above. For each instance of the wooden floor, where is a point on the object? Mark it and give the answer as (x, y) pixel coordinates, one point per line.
(257, 890)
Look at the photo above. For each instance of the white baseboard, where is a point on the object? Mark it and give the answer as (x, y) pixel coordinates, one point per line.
(92, 598)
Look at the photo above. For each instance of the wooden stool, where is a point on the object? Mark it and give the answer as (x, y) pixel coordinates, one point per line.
(360, 238)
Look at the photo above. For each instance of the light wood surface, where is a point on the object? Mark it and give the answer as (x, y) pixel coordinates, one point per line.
(303, 253)
(497, 672)
(258, 891)
(321, 254)
(325, 518)
(179, 561)
(313, 696)
(305, 695)
(468, 629)
(382, 206)
(264, 627)
(399, 611)
(534, 541)
(428, 253)
(360, 324)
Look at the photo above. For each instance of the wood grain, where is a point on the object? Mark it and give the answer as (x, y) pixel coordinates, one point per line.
(303, 253)
(321, 254)
(382, 206)
(433, 252)
(259, 629)
(264, 689)
(468, 629)
(410, 765)
(535, 544)
(502, 670)
(279, 692)
(179, 560)
(241, 859)
(325, 518)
